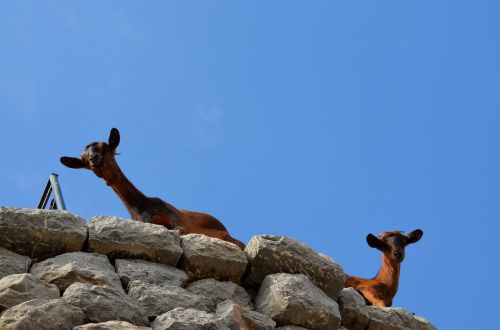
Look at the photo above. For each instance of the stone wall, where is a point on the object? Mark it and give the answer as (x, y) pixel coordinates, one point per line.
(59, 272)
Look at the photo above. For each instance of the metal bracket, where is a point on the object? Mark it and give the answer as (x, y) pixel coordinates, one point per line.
(58, 201)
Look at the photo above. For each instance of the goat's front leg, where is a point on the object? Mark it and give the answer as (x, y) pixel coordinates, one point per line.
(371, 297)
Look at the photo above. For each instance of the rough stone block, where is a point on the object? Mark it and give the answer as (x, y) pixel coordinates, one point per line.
(110, 325)
(220, 291)
(41, 314)
(269, 254)
(211, 257)
(13, 263)
(102, 303)
(68, 268)
(157, 300)
(395, 319)
(41, 234)
(293, 300)
(236, 317)
(18, 288)
(127, 239)
(149, 272)
(186, 319)
(353, 309)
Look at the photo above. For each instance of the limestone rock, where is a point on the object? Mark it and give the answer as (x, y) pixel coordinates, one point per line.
(110, 325)
(18, 288)
(235, 317)
(211, 257)
(186, 319)
(41, 314)
(13, 263)
(353, 309)
(41, 234)
(294, 300)
(127, 239)
(395, 319)
(269, 254)
(149, 272)
(68, 268)
(101, 304)
(220, 291)
(294, 327)
(157, 300)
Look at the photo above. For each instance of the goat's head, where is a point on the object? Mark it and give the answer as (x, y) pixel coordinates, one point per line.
(99, 157)
(393, 243)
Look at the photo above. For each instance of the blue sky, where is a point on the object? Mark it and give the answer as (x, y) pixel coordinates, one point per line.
(320, 120)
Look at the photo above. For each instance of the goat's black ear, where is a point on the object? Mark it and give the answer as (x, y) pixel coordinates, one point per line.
(414, 236)
(72, 162)
(375, 242)
(114, 139)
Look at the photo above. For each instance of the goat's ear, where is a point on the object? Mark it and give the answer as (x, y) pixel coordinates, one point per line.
(72, 162)
(375, 242)
(414, 236)
(114, 139)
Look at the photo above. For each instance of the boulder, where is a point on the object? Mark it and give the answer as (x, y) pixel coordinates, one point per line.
(211, 257)
(41, 234)
(68, 268)
(235, 317)
(220, 291)
(395, 319)
(41, 314)
(18, 288)
(269, 254)
(102, 303)
(126, 239)
(110, 325)
(186, 319)
(291, 299)
(294, 327)
(149, 272)
(156, 300)
(353, 309)
(13, 263)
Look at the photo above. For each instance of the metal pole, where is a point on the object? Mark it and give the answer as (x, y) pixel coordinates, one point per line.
(54, 182)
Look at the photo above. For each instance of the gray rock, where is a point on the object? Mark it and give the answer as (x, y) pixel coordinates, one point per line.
(149, 272)
(395, 319)
(353, 309)
(269, 254)
(211, 257)
(294, 327)
(127, 239)
(157, 300)
(41, 314)
(220, 291)
(186, 319)
(18, 288)
(294, 300)
(110, 325)
(68, 268)
(13, 263)
(41, 234)
(235, 317)
(102, 303)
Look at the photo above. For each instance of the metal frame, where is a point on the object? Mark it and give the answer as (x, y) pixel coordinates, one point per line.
(58, 200)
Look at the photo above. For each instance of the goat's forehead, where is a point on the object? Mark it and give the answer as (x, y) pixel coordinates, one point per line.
(387, 234)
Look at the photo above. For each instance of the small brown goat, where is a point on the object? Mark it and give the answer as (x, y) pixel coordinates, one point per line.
(99, 157)
(380, 290)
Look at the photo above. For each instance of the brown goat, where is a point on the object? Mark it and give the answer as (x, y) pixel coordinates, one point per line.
(380, 290)
(99, 157)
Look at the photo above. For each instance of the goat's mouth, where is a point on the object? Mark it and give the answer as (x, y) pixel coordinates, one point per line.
(96, 164)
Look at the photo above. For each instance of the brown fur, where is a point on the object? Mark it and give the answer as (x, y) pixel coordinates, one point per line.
(99, 157)
(380, 290)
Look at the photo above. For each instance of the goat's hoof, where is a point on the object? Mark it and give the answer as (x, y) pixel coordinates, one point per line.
(180, 230)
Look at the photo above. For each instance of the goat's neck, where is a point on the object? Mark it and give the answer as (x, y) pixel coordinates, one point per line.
(132, 197)
(389, 274)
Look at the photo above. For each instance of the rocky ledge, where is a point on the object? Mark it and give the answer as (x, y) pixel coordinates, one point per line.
(58, 271)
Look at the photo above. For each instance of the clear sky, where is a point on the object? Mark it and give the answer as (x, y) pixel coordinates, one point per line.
(320, 120)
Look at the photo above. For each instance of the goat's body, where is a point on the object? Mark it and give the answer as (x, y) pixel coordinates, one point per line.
(380, 290)
(154, 210)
